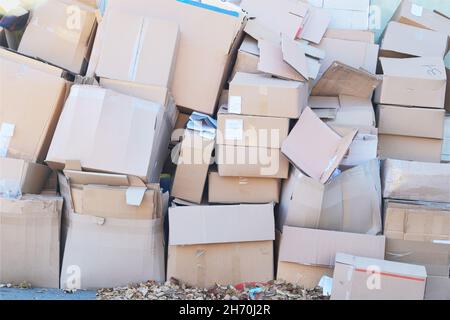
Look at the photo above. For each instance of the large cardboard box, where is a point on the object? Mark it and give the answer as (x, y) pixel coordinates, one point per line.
(227, 245)
(18, 177)
(306, 254)
(351, 202)
(409, 148)
(111, 132)
(260, 95)
(418, 82)
(104, 252)
(351, 35)
(348, 14)
(61, 32)
(28, 137)
(192, 167)
(408, 121)
(403, 41)
(419, 181)
(30, 239)
(200, 70)
(304, 153)
(235, 190)
(361, 278)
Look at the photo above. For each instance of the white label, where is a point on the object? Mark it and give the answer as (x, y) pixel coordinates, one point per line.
(6, 132)
(416, 10)
(234, 129)
(235, 104)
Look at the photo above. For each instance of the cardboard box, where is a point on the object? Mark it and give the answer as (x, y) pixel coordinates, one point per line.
(30, 233)
(408, 121)
(28, 137)
(351, 35)
(192, 167)
(416, 181)
(110, 252)
(405, 41)
(148, 58)
(418, 82)
(409, 148)
(318, 163)
(221, 244)
(20, 176)
(60, 34)
(235, 190)
(247, 57)
(348, 14)
(259, 95)
(438, 288)
(360, 278)
(306, 203)
(354, 112)
(446, 146)
(363, 149)
(200, 70)
(306, 255)
(96, 129)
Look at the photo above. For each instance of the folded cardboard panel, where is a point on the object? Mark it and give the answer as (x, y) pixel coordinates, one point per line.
(419, 181)
(247, 57)
(60, 34)
(361, 278)
(111, 132)
(30, 240)
(28, 137)
(260, 95)
(409, 148)
(413, 122)
(236, 190)
(418, 82)
(363, 149)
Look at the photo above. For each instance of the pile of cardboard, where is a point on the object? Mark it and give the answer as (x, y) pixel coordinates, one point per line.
(226, 143)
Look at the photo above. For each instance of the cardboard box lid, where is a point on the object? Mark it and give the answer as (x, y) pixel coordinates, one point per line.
(221, 224)
(319, 247)
(387, 268)
(318, 163)
(107, 131)
(298, 55)
(423, 68)
(147, 57)
(401, 39)
(341, 79)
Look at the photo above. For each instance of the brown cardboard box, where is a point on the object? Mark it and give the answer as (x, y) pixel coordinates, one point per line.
(192, 167)
(20, 176)
(349, 14)
(109, 252)
(438, 288)
(260, 95)
(200, 70)
(408, 121)
(61, 34)
(418, 82)
(360, 278)
(30, 239)
(409, 148)
(318, 163)
(420, 181)
(306, 255)
(221, 244)
(350, 35)
(403, 41)
(354, 113)
(235, 190)
(97, 130)
(351, 202)
(247, 58)
(28, 137)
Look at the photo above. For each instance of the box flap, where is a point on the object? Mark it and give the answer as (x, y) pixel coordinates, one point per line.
(82, 177)
(260, 32)
(318, 163)
(316, 102)
(221, 224)
(316, 25)
(341, 79)
(429, 68)
(294, 53)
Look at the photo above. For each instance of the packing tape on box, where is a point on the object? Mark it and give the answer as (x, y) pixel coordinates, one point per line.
(6, 133)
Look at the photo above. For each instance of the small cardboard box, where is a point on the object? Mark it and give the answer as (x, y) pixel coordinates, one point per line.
(417, 82)
(260, 95)
(227, 245)
(405, 41)
(61, 33)
(361, 278)
(30, 231)
(111, 132)
(412, 180)
(409, 148)
(235, 190)
(306, 254)
(28, 137)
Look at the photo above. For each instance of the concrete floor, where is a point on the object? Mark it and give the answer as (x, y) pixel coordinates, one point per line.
(44, 294)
